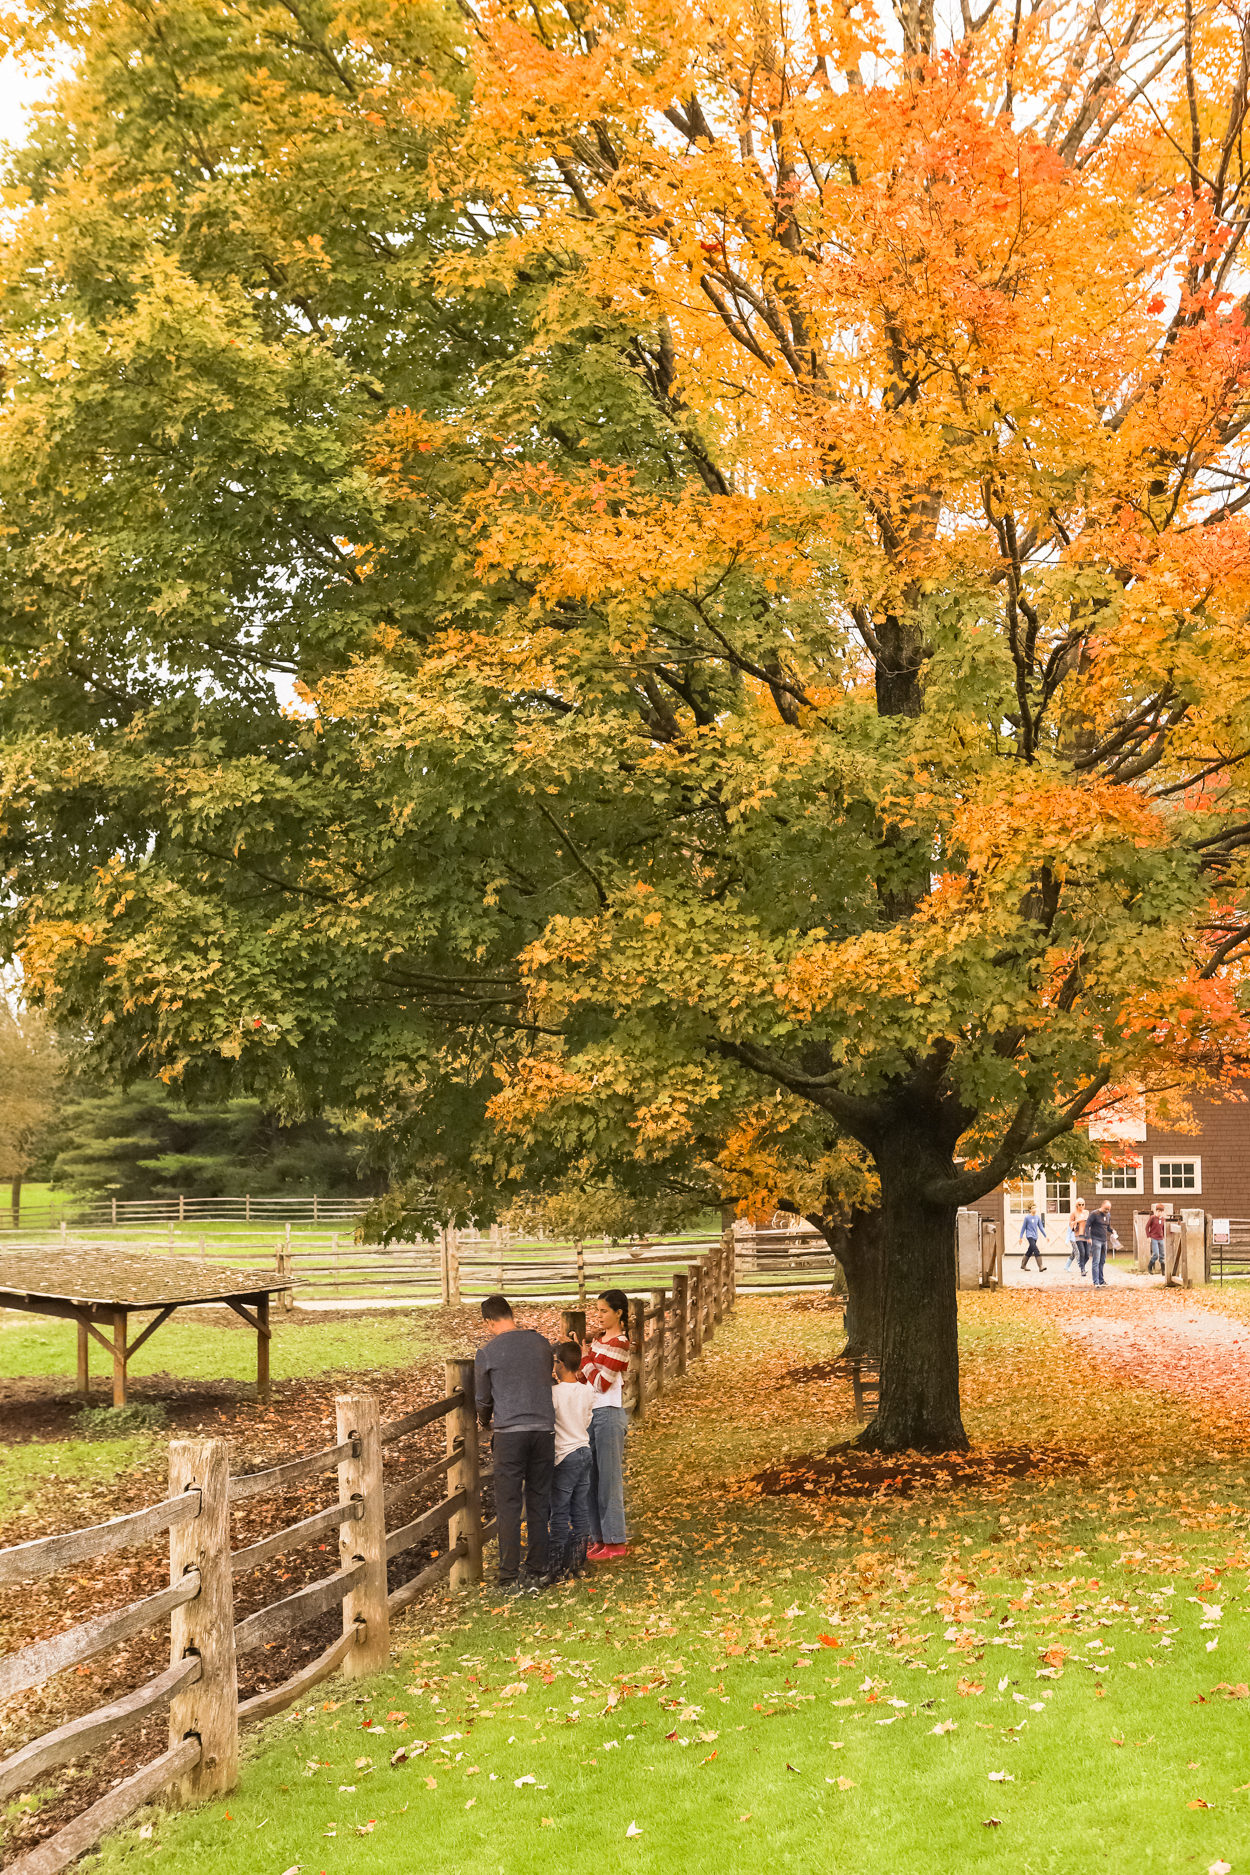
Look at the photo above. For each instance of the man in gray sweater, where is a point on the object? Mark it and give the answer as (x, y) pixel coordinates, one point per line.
(513, 1377)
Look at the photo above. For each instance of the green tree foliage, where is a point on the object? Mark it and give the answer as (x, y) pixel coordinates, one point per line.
(32, 1077)
(806, 651)
(147, 1143)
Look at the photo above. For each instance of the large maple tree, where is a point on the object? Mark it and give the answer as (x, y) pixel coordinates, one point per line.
(754, 502)
(916, 701)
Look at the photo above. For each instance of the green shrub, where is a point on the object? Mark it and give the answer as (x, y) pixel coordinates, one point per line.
(116, 1422)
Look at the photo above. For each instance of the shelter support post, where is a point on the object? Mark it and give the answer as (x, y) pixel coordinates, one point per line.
(119, 1357)
(262, 1349)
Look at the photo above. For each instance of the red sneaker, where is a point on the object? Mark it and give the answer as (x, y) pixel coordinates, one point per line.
(612, 1552)
(595, 1552)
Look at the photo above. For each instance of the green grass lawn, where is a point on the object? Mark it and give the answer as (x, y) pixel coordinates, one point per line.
(32, 1345)
(31, 1473)
(813, 1685)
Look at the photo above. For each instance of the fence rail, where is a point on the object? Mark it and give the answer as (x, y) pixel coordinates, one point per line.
(325, 1265)
(668, 1329)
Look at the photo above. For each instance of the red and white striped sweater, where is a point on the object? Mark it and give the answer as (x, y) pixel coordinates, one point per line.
(605, 1363)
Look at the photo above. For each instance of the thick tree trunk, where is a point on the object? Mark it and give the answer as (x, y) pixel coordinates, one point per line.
(919, 1401)
(858, 1248)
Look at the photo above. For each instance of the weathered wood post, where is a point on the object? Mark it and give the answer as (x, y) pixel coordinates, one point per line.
(637, 1330)
(659, 1300)
(84, 1364)
(119, 1357)
(681, 1320)
(718, 1283)
(364, 1539)
(695, 1273)
(288, 1270)
(444, 1270)
(581, 1276)
(731, 1250)
(464, 1524)
(453, 1265)
(208, 1710)
(263, 1332)
(707, 1286)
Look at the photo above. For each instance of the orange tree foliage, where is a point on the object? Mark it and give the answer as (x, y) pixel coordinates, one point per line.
(804, 623)
(915, 697)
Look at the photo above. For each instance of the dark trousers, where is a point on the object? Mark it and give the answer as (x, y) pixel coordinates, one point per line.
(1032, 1251)
(524, 1462)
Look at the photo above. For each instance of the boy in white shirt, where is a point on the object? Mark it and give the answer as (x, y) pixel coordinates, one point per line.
(570, 1481)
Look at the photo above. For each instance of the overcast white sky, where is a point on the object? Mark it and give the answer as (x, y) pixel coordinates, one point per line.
(19, 86)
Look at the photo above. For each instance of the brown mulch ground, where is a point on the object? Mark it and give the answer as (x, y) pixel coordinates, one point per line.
(299, 1419)
(845, 1472)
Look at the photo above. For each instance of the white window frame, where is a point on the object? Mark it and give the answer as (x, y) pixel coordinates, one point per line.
(1106, 1173)
(1038, 1191)
(1178, 1191)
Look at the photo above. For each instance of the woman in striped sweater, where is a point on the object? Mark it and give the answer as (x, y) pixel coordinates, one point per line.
(603, 1368)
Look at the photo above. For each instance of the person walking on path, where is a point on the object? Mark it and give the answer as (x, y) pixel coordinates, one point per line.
(603, 1369)
(1156, 1233)
(1099, 1238)
(1078, 1236)
(1031, 1228)
(570, 1483)
(513, 1384)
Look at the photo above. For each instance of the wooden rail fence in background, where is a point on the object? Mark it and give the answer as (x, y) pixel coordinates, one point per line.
(463, 1266)
(668, 1330)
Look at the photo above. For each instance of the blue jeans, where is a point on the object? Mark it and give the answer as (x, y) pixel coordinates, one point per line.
(1097, 1257)
(570, 1499)
(607, 1474)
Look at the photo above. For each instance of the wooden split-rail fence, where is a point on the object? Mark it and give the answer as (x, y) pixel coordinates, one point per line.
(668, 1330)
(200, 1686)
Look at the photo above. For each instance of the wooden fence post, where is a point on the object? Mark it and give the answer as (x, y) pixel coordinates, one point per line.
(681, 1320)
(659, 1302)
(462, 1429)
(695, 1272)
(581, 1275)
(364, 1540)
(444, 1270)
(718, 1283)
(707, 1284)
(453, 1265)
(638, 1355)
(731, 1269)
(84, 1362)
(210, 1708)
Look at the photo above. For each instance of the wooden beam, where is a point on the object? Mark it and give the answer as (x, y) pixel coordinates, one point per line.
(113, 1808)
(85, 1321)
(151, 1329)
(84, 1364)
(263, 1336)
(119, 1357)
(259, 1321)
(24, 1769)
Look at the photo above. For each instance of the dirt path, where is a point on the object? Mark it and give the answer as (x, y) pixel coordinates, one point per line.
(1175, 1342)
